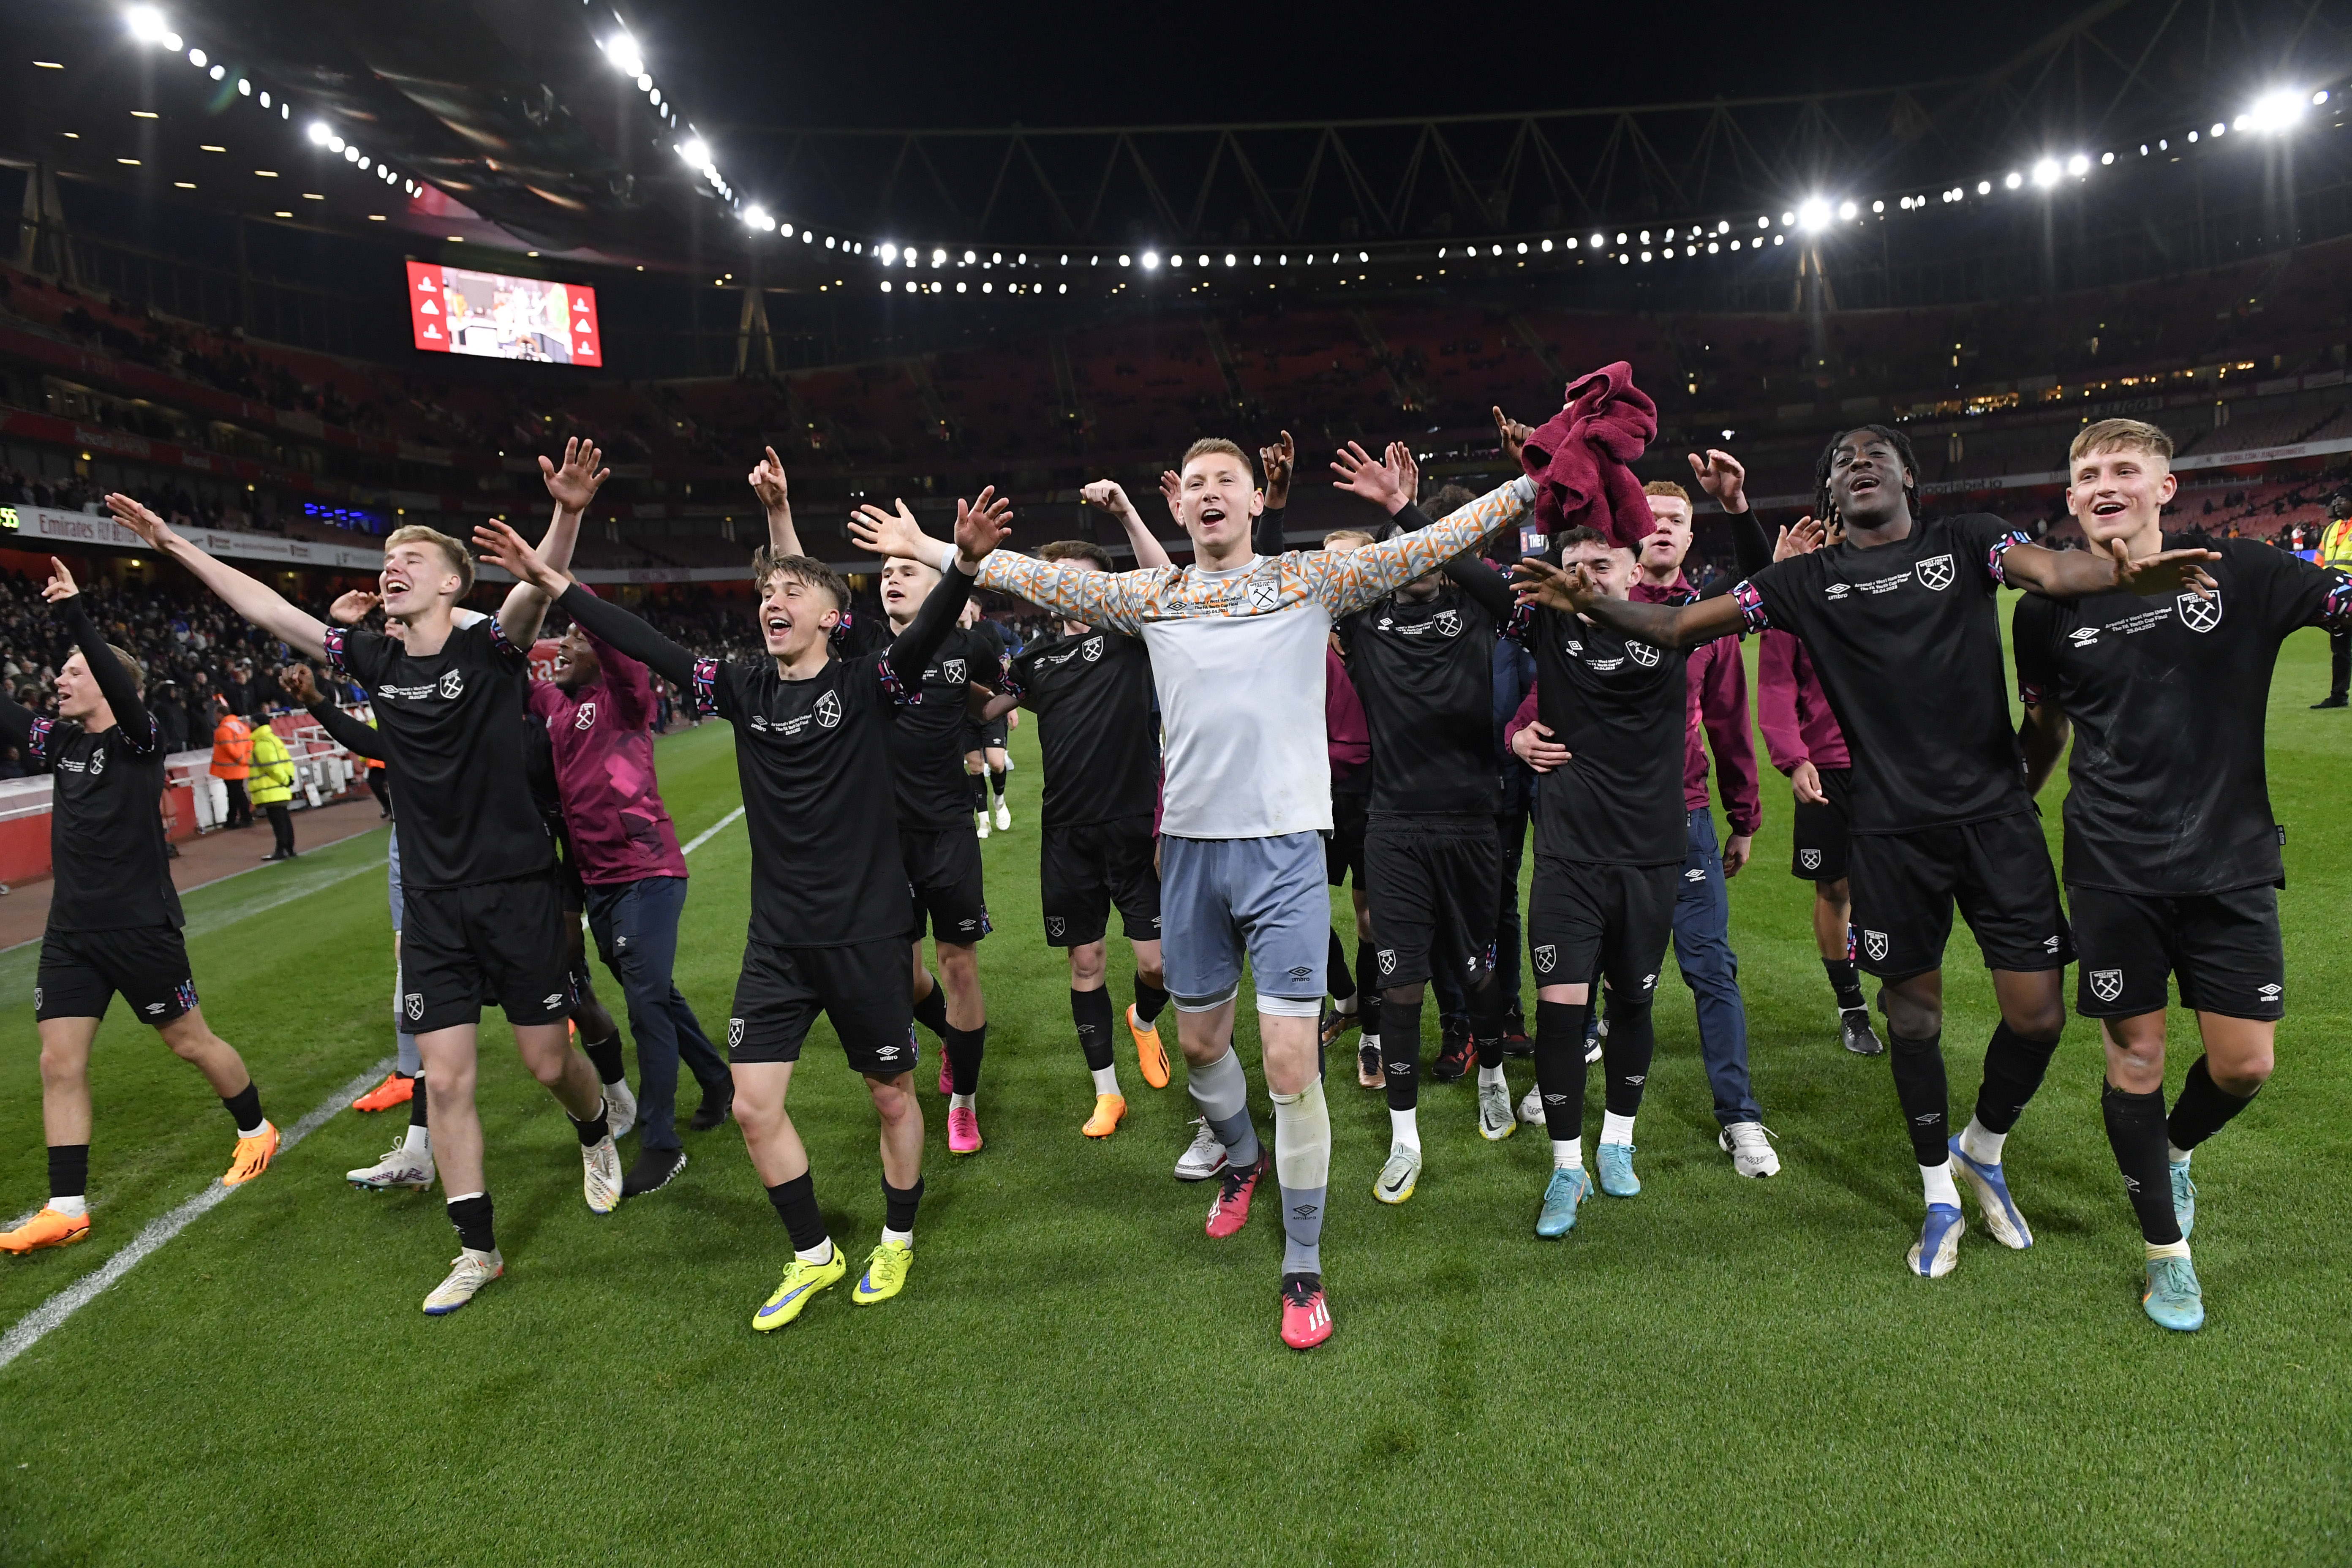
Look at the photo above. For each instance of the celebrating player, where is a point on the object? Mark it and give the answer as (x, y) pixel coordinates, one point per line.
(1423, 662)
(1236, 643)
(936, 836)
(482, 918)
(114, 920)
(1091, 690)
(2172, 859)
(1940, 814)
(985, 760)
(828, 909)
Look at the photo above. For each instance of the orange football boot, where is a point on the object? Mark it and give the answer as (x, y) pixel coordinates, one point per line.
(397, 1089)
(252, 1157)
(46, 1229)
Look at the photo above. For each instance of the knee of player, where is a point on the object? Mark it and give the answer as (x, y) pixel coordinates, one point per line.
(1403, 996)
(2240, 1077)
(63, 1064)
(1088, 965)
(893, 1100)
(1151, 975)
(2041, 1021)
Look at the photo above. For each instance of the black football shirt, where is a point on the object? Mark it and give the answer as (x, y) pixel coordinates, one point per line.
(1425, 674)
(106, 832)
(926, 738)
(814, 760)
(1906, 640)
(2167, 793)
(1619, 707)
(455, 720)
(1092, 696)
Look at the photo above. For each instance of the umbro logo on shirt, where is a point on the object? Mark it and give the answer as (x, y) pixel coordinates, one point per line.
(2267, 993)
(2083, 637)
(1695, 874)
(552, 999)
(886, 1053)
(152, 1008)
(1836, 590)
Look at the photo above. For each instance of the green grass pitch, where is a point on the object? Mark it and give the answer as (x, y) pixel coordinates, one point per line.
(1720, 1371)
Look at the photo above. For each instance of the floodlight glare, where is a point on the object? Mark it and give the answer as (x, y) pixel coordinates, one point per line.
(2045, 173)
(626, 58)
(1813, 214)
(2275, 111)
(318, 131)
(697, 153)
(755, 217)
(146, 24)
(2013, 179)
(1847, 210)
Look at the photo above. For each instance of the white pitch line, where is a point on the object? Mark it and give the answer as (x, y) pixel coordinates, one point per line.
(35, 1325)
(708, 834)
(31, 1329)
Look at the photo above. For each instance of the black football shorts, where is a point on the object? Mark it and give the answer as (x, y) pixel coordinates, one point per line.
(1585, 918)
(498, 942)
(2223, 948)
(1440, 883)
(82, 971)
(865, 988)
(1904, 886)
(943, 887)
(1819, 852)
(1085, 869)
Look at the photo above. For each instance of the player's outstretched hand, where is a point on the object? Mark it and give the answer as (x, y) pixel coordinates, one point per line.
(300, 684)
(502, 546)
(575, 483)
(767, 481)
(981, 524)
(1360, 475)
(1803, 539)
(1806, 779)
(1719, 474)
(1541, 583)
(1408, 472)
(892, 533)
(1280, 460)
(1535, 747)
(139, 520)
(1514, 437)
(352, 606)
(2166, 572)
(60, 586)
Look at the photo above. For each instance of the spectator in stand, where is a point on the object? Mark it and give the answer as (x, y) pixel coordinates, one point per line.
(171, 718)
(232, 761)
(12, 763)
(272, 785)
(2336, 550)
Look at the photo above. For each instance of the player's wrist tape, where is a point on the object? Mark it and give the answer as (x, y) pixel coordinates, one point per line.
(948, 559)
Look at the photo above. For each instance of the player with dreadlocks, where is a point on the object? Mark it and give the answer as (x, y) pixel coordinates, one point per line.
(1940, 813)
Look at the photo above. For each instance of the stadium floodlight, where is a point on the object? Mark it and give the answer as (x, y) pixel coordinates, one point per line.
(146, 24)
(1175, 261)
(2107, 159)
(1787, 219)
(1151, 261)
(2221, 128)
(757, 217)
(335, 143)
(2013, 179)
(697, 153)
(1984, 188)
(889, 253)
(1230, 260)
(939, 257)
(1847, 211)
(968, 258)
(2274, 112)
(1881, 206)
(626, 58)
(1546, 248)
(1813, 214)
(350, 154)
(2045, 173)
(1523, 247)
(318, 131)
(197, 57)
(2319, 97)
(1599, 241)
(2078, 165)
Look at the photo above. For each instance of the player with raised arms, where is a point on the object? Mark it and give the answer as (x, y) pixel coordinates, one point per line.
(114, 919)
(2172, 862)
(1237, 642)
(827, 934)
(1900, 618)
(482, 917)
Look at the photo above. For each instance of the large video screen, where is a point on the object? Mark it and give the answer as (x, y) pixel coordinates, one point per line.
(452, 311)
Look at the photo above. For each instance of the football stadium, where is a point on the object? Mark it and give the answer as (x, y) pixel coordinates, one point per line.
(686, 560)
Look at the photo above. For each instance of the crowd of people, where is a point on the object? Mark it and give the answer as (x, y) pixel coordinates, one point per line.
(1222, 743)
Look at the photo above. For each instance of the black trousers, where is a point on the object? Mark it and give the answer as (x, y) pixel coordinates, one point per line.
(240, 810)
(282, 825)
(2339, 662)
